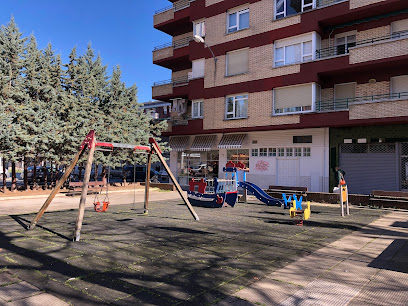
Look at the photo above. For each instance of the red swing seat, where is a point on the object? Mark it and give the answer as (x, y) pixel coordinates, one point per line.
(97, 206)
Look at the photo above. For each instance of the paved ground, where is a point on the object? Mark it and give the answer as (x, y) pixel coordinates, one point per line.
(252, 252)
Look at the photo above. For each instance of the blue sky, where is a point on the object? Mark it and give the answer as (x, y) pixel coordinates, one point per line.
(121, 31)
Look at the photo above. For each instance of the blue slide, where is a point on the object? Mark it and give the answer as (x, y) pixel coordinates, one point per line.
(260, 194)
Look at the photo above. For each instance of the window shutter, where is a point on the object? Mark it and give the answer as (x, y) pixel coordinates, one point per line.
(400, 25)
(237, 62)
(399, 84)
(198, 68)
(293, 96)
(345, 91)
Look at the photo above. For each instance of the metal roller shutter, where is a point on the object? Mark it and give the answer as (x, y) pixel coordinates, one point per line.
(369, 167)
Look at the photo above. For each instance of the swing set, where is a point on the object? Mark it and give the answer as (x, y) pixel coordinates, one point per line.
(90, 143)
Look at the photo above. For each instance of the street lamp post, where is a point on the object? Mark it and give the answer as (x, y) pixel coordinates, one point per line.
(199, 39)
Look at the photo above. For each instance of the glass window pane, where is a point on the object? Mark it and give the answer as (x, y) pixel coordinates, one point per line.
(293, 7)
(280, 6)
(307, 47)
(201, 105)
(279, 54)
(244, 20)
(292, 54)
(232, 22)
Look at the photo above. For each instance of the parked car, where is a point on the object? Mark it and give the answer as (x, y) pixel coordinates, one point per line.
(40, 174)
(140, 174)
(200, 170)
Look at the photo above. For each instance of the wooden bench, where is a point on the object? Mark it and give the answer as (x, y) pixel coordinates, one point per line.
(277, 191)
(75, 188)
(389, 198)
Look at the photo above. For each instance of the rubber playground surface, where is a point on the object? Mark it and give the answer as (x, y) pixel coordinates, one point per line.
(165, 257)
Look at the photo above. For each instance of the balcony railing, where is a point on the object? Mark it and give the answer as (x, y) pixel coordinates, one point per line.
(176, 44)
(343, 104)
(175, 82)
(177, 6)
(344, 49)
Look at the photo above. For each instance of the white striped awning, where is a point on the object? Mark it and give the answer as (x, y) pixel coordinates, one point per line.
(231, 141)
(203, 143)
(178, 143)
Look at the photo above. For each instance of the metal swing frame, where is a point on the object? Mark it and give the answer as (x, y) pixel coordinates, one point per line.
(91, 143)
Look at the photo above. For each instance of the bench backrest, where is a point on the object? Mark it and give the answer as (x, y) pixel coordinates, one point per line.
(91, 184)
(395, 194)
(288, 188)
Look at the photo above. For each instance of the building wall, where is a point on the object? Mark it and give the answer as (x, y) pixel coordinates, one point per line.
(261, 20)
(261, 66)
(182, 36)
(259, 113)
(162, 17)
(354, 4)
(379, 110)
(162, 53)
(378, 51)
(311, 172)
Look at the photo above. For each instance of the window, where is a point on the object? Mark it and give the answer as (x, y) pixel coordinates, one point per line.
(399, 28)
(241, 155)
(302, 139)
(344, 41)
(198, 68)
(236, 107)
(295, 99)
(272, 151)
(306, 152)
(254, 152)
(263, 152)
(238, 20)
(293, 54)
(284, 8)
(345, 91)
(197, 109)
(298, 152)
(237, 62)
(399, 84)
(281, 152)
(289, 152)
(199, 28)
(165, 110)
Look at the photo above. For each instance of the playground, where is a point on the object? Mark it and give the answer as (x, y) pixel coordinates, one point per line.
(154, 248)
(166, 257)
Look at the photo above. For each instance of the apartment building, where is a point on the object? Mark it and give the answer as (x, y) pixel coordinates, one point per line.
(291, 88)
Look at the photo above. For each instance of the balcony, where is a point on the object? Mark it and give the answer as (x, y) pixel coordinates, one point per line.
(343, 104)
(176, 16)
(165, 88)
(172, 55)
(345, 49)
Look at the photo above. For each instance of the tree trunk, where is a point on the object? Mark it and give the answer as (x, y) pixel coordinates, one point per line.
(13, 177)
(35, 174)
(45, 171)
(80, 172)
(53, 170)
(4, 176)
(25, 173)
(123, 175)
(104, 180)
(96, 173)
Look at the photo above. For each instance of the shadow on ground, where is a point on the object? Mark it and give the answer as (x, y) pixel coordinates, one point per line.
(165, 257)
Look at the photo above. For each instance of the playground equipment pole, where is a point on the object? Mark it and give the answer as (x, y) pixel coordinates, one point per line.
(81, 209)
(147, 185)
(56, 189)
(173, 179)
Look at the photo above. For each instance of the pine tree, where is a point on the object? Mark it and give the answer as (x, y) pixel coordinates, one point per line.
(15, 98)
